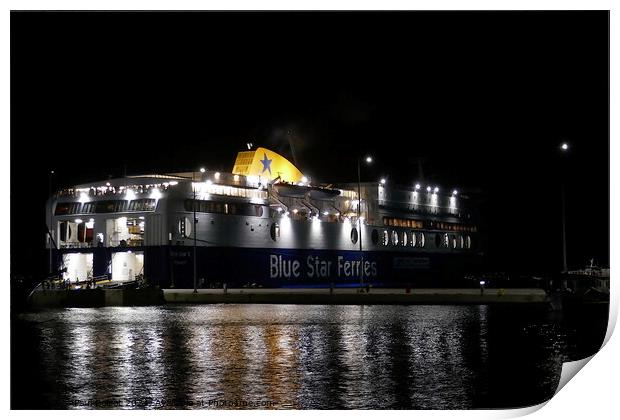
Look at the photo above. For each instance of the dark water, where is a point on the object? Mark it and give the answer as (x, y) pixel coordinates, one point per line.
(292, 356)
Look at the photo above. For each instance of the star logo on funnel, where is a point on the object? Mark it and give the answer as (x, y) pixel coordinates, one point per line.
(266, 163)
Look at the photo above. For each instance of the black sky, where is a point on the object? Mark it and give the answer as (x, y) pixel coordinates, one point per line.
(484, 98)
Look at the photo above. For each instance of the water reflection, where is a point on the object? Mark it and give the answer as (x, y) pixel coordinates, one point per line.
(287, 356)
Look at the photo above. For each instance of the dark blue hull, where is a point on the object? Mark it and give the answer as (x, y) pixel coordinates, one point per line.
(173, 266)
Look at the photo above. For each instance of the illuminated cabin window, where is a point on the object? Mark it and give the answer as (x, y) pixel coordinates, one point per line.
(453, 241)
(446, 240)
(461, 242)
(404, 240)
(274, 231)
(386, 238)
(394, 238)
(374, 236)
(354, 235)
(468, 242)
(238, 209)
(413, 241)
(455, 227)
(421, 240)
(405, 223)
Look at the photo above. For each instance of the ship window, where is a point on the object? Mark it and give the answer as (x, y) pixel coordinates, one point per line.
(238, 209)
(422, 240)
(468, 242)
(185, 227)
(394, 237)
(461, 242)
(125, 231)
(374, 236)
(274, 231)
(144, 204)
(437, 240)
(67, 208)
(354, 235)
(386, 238)
(413, 239)
(110, 206)
(446, 240)
(404, 242)
(453, 241)
(88, 208)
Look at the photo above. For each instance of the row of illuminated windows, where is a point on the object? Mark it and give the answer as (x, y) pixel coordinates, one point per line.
(106, 206)
(427, 224)
(404, 238)
(238, 209)
(406, 223)
(418, 239)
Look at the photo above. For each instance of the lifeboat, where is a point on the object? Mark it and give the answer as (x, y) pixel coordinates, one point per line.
(300, 191)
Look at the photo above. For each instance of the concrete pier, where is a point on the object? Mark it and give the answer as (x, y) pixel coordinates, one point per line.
(117, 297)
(353, 297)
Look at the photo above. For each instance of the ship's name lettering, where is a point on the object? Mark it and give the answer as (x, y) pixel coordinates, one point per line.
(316, 267)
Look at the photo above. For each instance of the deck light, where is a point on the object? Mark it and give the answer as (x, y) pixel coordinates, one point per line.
(564, 146)
(236, 178)
(368, 159)
(455, 192)
(217, 175)
(156, 194)
(295, 211)
(417, 187)
(304, 179)
(173, 182)
(78, 221)
(107, 184)
(83, 197)
(325, 213)
(202, 170)
(436, 190)
(428, 189)
(141, 217)
(279, 209)
(383, 181)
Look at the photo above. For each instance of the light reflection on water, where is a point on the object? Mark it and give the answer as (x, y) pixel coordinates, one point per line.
(288, 356)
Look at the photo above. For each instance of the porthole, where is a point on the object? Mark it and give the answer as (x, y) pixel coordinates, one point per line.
(274, 231)
(394, 238)
(404, 241)
(374, 236)
(386, 238)
(354, 235)
(422, 240)
(413, 239)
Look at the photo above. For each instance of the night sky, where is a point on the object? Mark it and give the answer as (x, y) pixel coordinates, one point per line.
(482, 99)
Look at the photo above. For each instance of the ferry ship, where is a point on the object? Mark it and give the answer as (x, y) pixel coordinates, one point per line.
(264, 224)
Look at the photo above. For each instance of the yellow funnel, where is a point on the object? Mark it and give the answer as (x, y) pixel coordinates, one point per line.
(266, 164)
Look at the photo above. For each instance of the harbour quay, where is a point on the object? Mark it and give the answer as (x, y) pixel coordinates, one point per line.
(308, 296)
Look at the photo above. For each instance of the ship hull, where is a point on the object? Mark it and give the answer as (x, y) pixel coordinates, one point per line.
(173, 267)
